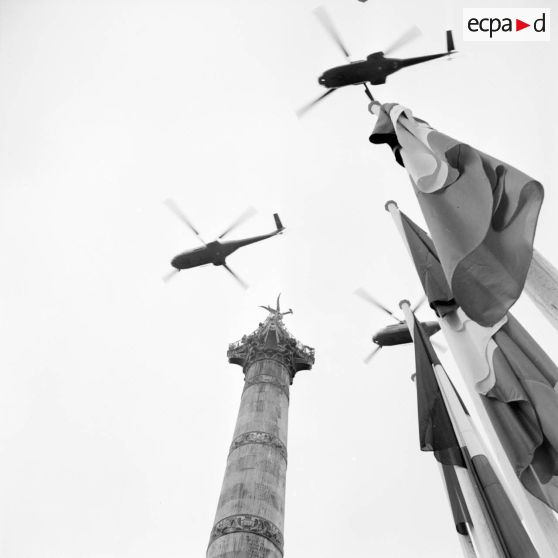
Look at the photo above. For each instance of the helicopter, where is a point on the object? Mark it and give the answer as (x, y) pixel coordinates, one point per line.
(215, 252)
(396, 334)
(375, 69)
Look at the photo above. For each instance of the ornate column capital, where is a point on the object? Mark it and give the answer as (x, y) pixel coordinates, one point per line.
(272, 341)
(294, 356)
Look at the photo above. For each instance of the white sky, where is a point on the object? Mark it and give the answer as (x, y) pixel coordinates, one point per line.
(117, 404)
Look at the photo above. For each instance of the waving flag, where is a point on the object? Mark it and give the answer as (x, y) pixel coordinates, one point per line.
(435, 428)
(481, 212)
(426, 262)
(517, 379)
(523, 406)
(451, 434)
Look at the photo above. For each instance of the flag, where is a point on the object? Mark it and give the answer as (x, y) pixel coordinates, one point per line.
(481, 212)
(437, 430)
(523, 407)
(427, 264)
(511, 532)
(517, 380)
(542, 287)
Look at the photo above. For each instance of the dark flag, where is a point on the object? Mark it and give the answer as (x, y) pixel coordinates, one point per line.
(437, 434)
(427, 264)
(435, 428)
(511, 532)
(481, 212)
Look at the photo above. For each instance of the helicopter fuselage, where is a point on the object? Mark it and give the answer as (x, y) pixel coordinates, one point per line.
(373, 70)
(214, 252)
(398, 334)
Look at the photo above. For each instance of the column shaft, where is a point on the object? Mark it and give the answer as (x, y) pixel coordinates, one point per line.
(250, 513)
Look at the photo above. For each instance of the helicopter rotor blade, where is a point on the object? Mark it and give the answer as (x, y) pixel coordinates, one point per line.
(410, 35)
(240, 281)
(244, 217)
(365, 295)
(173, 206)
(371, 355)
(321, 13)
(303, 110)
(418, 304)
(170, 275)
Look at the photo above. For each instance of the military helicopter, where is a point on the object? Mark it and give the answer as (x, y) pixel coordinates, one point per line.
(397, 334)
(215, 252)
(375, 69)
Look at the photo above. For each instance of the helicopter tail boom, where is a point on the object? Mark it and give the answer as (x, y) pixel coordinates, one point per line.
(449, 41)
(278, 223)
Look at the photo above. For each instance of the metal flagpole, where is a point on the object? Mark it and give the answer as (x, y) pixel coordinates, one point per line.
(541, 526)
(542, 287)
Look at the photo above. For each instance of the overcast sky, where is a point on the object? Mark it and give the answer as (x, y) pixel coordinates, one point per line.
(117, 404)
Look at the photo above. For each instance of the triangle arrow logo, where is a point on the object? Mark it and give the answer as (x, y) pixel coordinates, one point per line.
(519, 25)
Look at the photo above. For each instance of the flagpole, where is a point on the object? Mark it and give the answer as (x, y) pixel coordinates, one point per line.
(542, 528)
(542, 287)
(481, 533)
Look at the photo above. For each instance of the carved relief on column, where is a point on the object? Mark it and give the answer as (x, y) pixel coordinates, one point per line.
(248, 523)
(263, 438)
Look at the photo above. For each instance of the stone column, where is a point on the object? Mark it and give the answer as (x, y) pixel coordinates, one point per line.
(251, 509)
